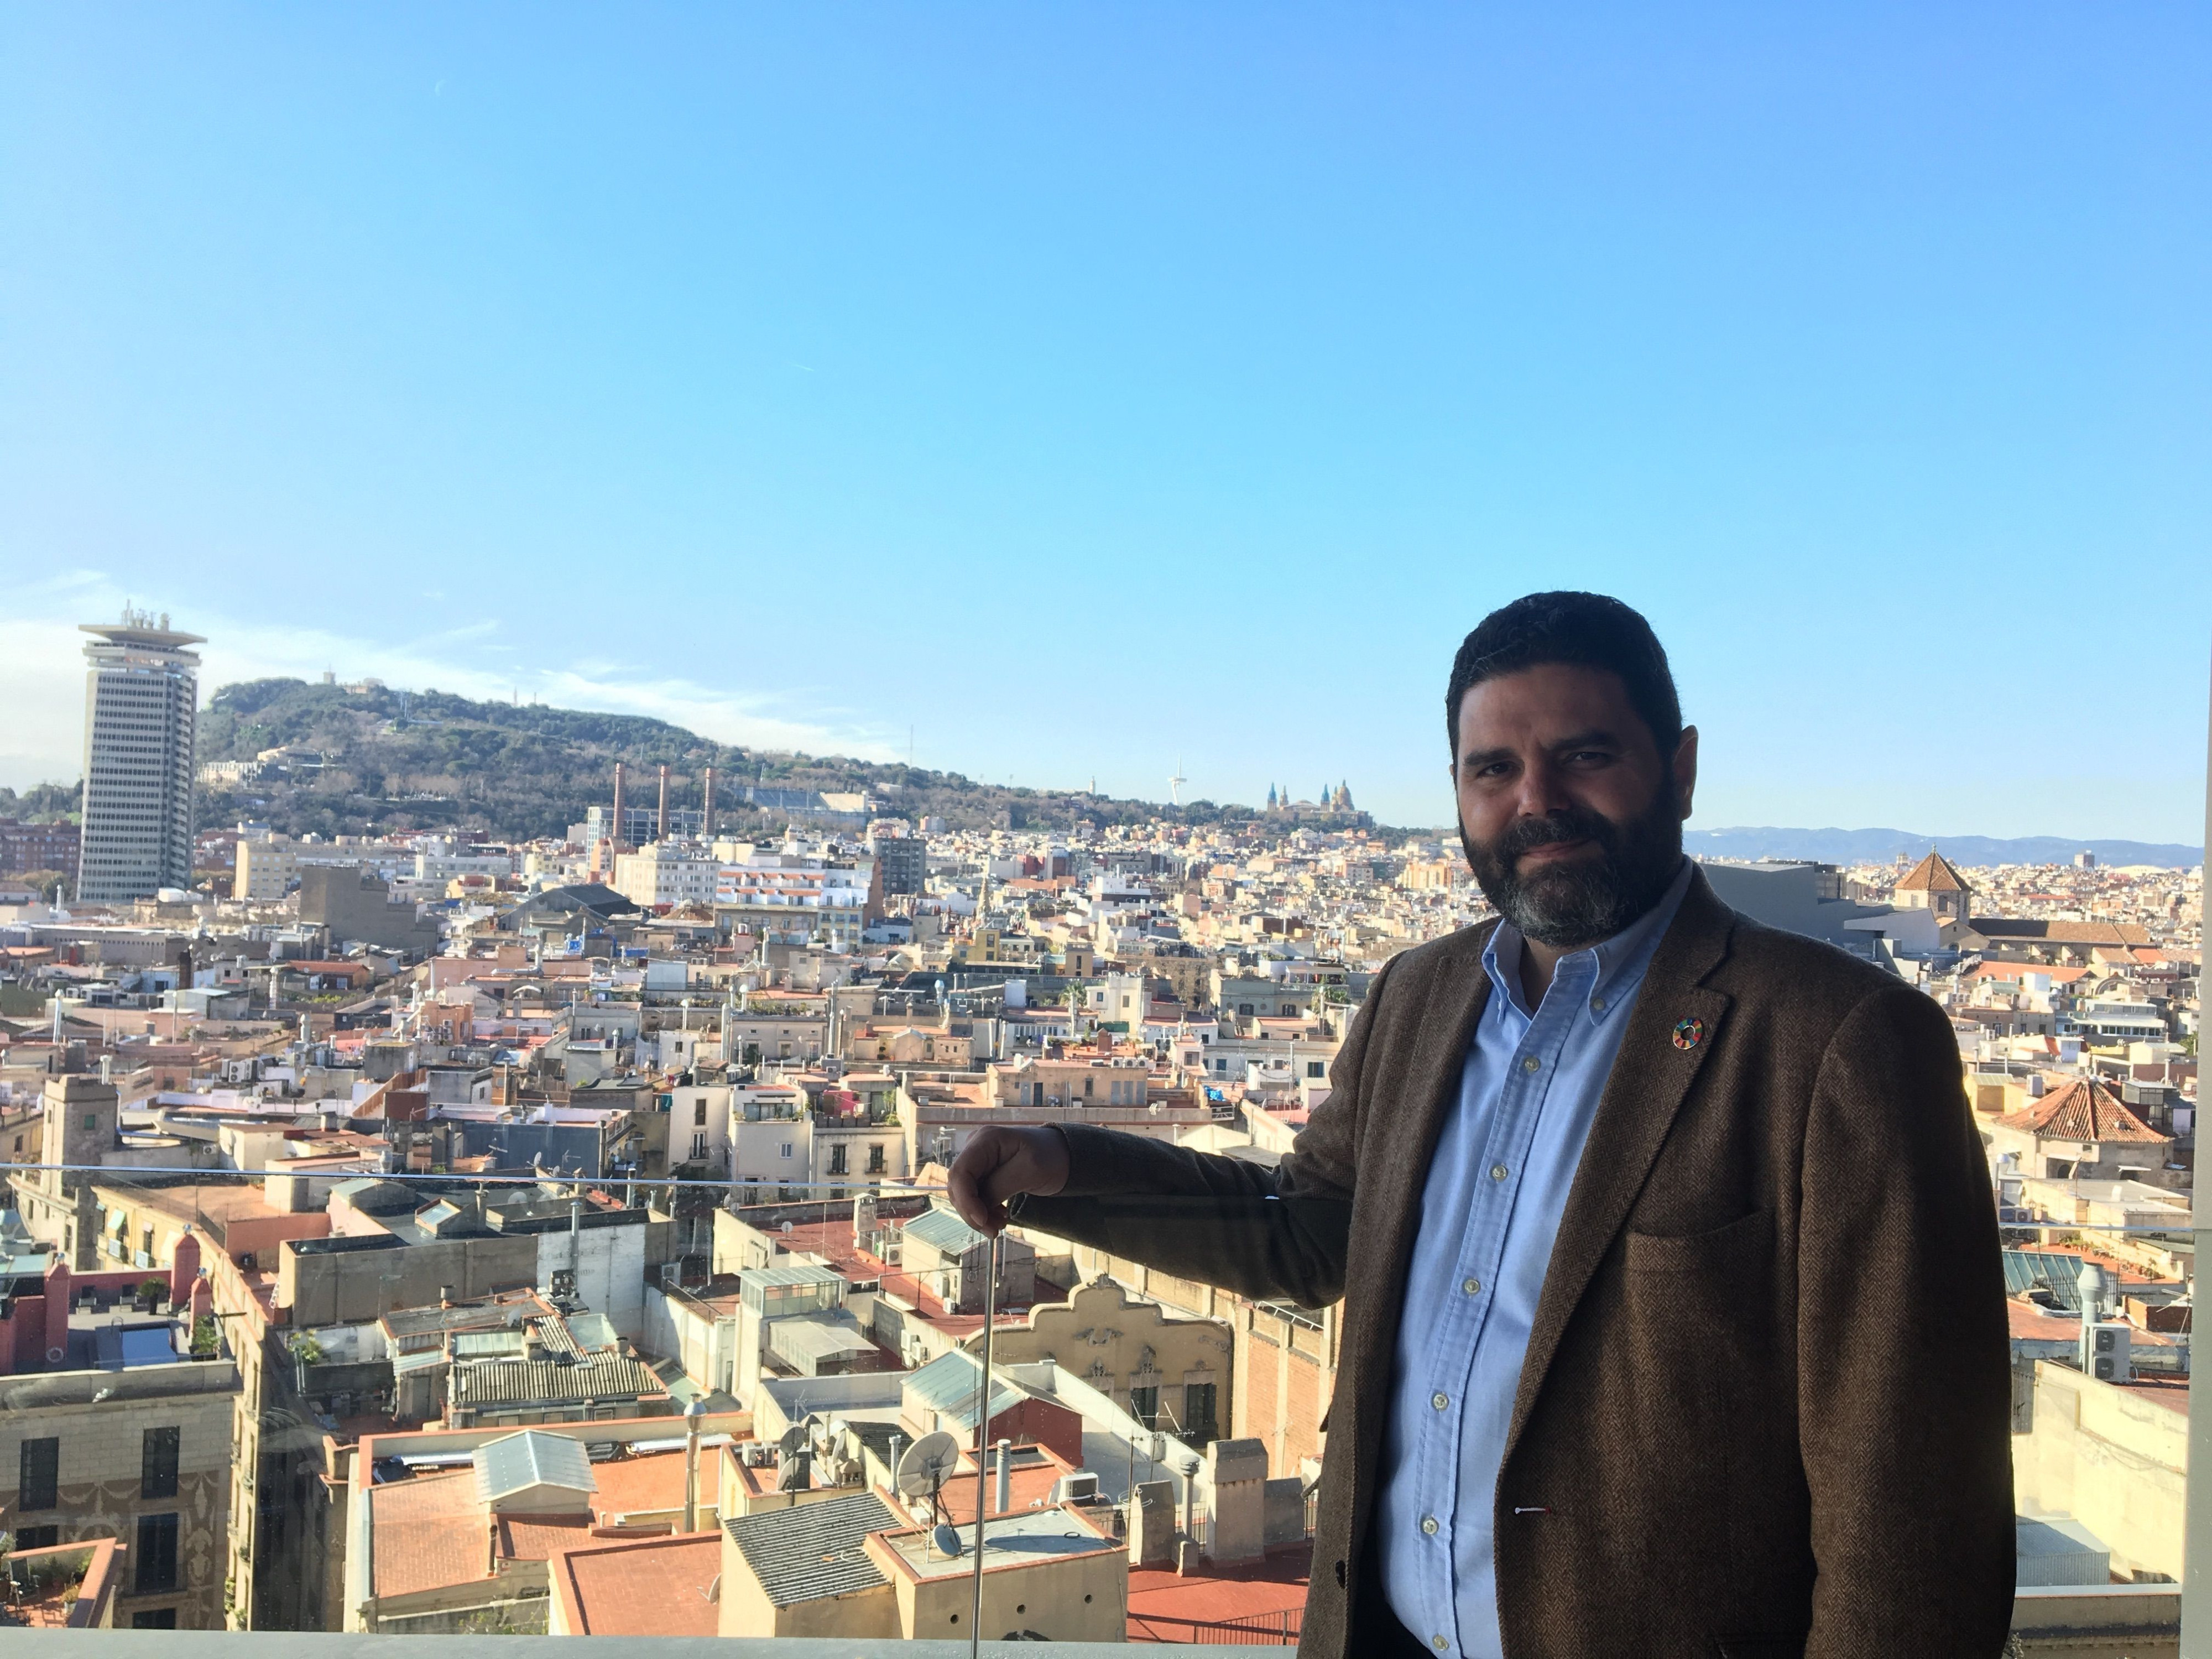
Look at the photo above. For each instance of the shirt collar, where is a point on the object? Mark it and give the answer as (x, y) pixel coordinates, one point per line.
(1607, 970)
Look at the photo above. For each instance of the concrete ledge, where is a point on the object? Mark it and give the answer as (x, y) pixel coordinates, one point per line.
(2098, 1621)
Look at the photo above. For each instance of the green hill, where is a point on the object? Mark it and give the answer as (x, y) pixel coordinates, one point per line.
(395, 761)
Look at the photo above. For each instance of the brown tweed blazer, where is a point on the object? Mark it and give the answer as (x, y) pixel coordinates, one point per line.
(1765, 1406)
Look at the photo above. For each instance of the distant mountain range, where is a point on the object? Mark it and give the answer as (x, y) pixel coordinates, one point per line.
(1881, 846)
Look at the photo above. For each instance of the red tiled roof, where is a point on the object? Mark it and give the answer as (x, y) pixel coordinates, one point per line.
(535, 1537)
(654, 1480)
(2015, 970)
(638, 1587)
(2082, 1110)
(1933, 874)
(2031, 1324)
(1167, 1606)
(429, 1532)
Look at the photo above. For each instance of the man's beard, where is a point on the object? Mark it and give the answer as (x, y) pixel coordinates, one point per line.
(1569, 906)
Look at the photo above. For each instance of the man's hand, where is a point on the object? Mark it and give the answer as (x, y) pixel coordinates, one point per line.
(997, 1164)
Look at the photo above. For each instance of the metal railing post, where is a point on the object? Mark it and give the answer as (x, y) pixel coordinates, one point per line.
(983, 1439)
(2197, 1548)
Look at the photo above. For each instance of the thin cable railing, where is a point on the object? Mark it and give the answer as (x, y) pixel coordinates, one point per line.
(729, 1186)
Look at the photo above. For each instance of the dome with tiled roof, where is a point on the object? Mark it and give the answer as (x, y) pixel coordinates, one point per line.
(2084, 1109)
(1933, 874)
(1936, 885)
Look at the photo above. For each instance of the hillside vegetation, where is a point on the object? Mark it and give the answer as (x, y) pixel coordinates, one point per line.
(396, 759)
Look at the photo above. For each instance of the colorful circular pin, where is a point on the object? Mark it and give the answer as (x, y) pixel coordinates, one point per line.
(1689, 1033)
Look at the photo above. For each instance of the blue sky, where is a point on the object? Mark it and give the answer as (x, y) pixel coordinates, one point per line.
(1093, 388)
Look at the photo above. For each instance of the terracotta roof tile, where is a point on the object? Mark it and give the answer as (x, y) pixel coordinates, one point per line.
(644, 1587)
(535, 1537)
(2082, 1110)
(1933, 874)
(1167, 1606)
(429, 1532)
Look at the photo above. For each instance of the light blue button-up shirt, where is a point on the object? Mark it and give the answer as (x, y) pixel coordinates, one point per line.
(1497, 1188)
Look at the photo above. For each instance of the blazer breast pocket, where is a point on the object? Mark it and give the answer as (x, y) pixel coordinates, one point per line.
(1742, 1242)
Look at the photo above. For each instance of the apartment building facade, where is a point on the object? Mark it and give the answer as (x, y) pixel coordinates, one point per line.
(141, 697)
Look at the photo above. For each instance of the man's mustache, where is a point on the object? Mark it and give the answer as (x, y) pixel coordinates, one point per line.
(1568, 824)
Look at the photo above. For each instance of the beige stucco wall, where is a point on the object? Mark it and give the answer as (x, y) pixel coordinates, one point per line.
(1101, 1326)
(1082, 1599)
(2113, 1458)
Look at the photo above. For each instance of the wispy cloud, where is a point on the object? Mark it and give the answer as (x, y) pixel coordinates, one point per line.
(42, 679)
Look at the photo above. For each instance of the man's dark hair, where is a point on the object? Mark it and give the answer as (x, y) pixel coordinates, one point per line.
(1588, 630)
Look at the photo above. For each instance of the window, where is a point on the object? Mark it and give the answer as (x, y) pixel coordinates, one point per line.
(837, 1161)
(37, 1538)
(1244, 1007)
(876, 1160)
(1145, 1405)
(699, 1111)
(786, 1149)
(156, 1554)
(1198, 1424)
(698, 1145)
(38, 1472)
(157, 1463)
(154, 1619)
(1317, 1068)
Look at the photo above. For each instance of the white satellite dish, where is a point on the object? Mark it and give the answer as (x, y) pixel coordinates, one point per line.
(947, 1540)
(926, 1464)
(794, 1440)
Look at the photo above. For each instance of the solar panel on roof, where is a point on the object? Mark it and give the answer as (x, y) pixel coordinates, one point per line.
(2054, 1271)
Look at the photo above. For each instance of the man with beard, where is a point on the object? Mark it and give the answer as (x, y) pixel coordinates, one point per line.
(1673, 1312)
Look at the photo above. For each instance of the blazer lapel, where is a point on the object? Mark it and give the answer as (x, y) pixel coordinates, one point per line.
(1650, 1079)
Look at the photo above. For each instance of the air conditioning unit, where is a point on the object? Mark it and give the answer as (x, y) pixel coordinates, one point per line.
(2105, 1350)
(1081, 1487)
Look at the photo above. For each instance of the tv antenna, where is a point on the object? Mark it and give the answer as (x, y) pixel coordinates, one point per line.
(1175, 786)
(923, 1469)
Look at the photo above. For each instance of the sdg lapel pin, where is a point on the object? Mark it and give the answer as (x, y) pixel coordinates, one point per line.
(1689, 1034)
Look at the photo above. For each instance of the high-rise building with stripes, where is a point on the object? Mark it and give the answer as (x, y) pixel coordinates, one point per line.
(140, 701)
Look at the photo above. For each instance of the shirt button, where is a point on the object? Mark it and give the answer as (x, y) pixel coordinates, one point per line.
(1442, 1643)
(1531, 1063)
(1597, 1005)
(1439, 1400)
(1472, 1286)
(1429, 1525)
(1498, 1172)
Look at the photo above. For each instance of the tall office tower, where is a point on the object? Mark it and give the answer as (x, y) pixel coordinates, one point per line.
(140, 698)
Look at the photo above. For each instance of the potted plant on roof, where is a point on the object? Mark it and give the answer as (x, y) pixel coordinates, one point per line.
(153, 1291)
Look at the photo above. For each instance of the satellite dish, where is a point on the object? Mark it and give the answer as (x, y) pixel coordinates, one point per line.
(926, 1464)
(947, 1540)
(794, 1440)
